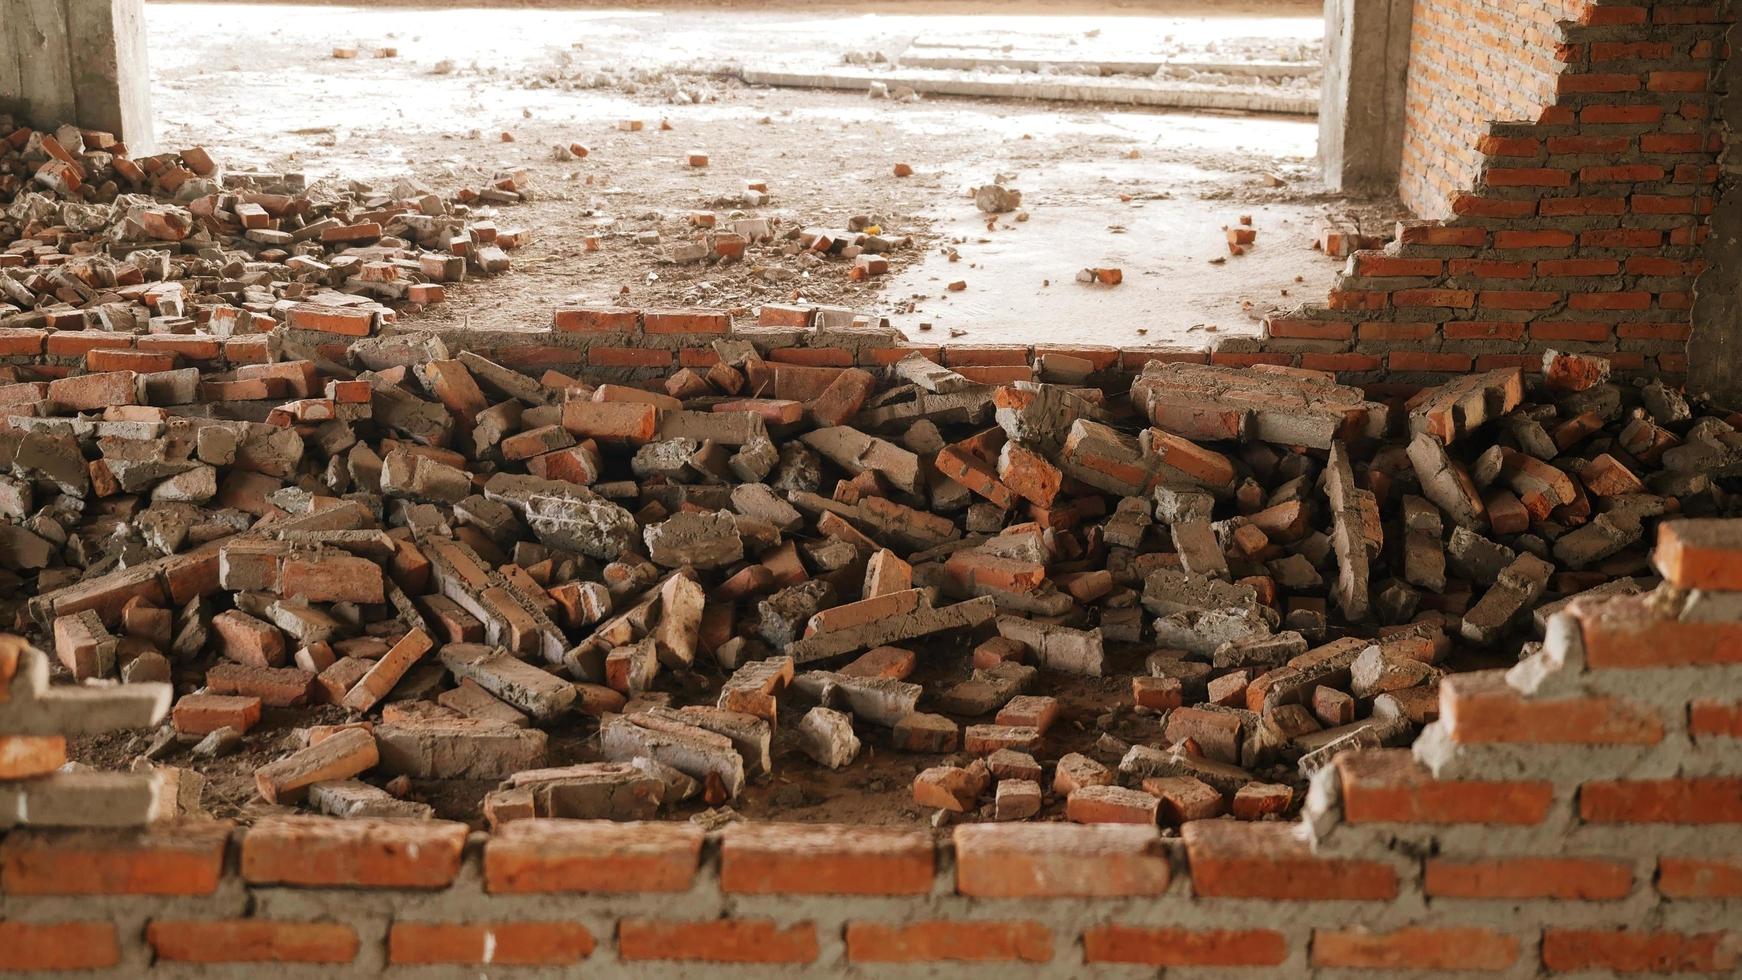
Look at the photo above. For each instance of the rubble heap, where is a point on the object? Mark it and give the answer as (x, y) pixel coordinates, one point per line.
(98, 241)
(441, 564)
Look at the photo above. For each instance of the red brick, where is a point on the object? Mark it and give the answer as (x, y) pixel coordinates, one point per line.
(985, 355)
(1272, 860)
(1676, 81)
(1596, 82)
(330, 319)
(1304, 329)
(1699, 555)
(202, 714)
(1415, 949)
(813, 356)
(357, 853)
(26, 947)
(1483, 330)
(591, 856)
(1591, 145)
(1184, 947)
(1560, 207)
(1637, 951)
(626, 357)
(1526, 177)
(21, 342)
(77, 343)
(681, 321)
(28, 756)
(178, 859)
(1711, 800)
(606, 319)
(1708, 717)
(488, 943)
(1572, 879)
(801, 859)
(717, 941)
(960, 941)
(1457, 298)
(1548, 330)
(618, 422)
(1700, 877)
(250, 941)
(1059, 861)
(1425, 361)
(1480, 708)
(1389, 786)
(1632, 637)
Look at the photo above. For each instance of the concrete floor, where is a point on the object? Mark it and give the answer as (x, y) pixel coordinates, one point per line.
(1148, 191)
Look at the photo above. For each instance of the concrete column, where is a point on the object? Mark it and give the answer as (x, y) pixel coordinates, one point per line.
(79, 62)
(1715, 347)
(1361, 105)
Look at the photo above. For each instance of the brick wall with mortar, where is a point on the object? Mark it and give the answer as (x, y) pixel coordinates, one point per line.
(1565, 157)
(1580, 813)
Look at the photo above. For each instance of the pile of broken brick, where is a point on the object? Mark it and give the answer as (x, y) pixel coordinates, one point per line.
(166, 245)
(453, 561)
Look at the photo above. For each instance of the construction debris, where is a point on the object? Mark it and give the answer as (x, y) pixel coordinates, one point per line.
(619, 598)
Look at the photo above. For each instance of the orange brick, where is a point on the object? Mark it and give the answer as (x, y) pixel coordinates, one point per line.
(1389, 786)
(344, 321)
(181, 859)
(1415, 949)
(1271, 860)
(614, 422)
(591, 856)
(202, 714)
(24, 756)
(1708, 717)
(1678, 801)
(686, 321)
(1576, 879)
(962, 941)
(1700, 554)
(717, 941)
(1059, 861)
(488, 943)
(1639, 951)
(1184, 947)
(609, 319)
(1700, 877)
(26, 947)
(824, 859)
(356, 853)
(1481, 708)
(250, 941)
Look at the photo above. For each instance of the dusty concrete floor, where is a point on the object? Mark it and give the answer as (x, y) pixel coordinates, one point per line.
(1148, 191)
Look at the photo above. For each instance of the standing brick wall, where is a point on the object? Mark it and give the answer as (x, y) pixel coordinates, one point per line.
(1470, 62)
(1572, 151)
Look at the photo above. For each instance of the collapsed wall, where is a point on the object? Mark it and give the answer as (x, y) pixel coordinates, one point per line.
(1565, 159)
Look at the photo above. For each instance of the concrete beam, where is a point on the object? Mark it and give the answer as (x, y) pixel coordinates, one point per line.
(77, 61)
(1361, 104)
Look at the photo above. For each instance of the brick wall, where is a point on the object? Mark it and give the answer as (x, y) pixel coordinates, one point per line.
(1565, 157)
(1581, 812)
(1472, 62)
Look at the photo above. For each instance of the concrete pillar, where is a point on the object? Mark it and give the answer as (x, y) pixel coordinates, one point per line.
(1361, 105)
(1715, 346)
(79, 62)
